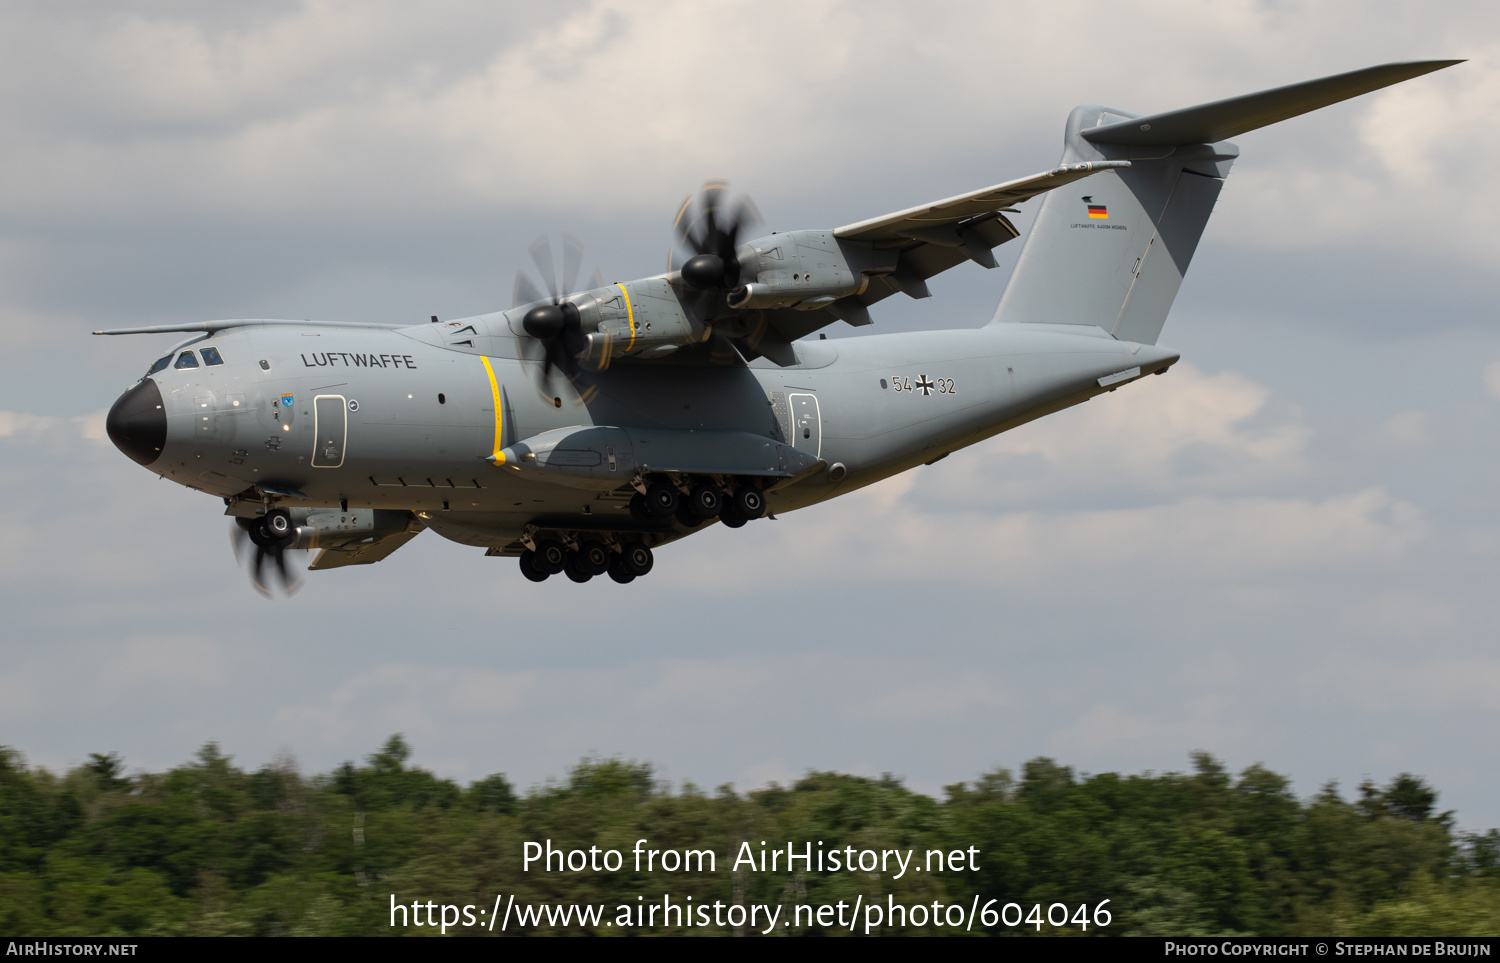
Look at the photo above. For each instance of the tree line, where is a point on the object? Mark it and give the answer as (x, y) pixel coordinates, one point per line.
(208, 848)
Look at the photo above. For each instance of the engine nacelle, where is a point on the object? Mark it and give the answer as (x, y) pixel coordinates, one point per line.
(637, 319)
(331, 527)
(804, 270)
(633, 319)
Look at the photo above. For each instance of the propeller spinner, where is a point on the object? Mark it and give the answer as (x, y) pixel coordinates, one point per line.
(554, 326)
(705, 226)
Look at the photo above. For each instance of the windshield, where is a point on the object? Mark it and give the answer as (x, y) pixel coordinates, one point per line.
(161, 363)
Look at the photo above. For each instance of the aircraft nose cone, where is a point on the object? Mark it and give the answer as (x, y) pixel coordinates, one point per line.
(137, 423)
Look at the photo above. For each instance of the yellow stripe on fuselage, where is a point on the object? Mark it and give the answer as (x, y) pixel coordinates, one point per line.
(629, 315)
(499, 456)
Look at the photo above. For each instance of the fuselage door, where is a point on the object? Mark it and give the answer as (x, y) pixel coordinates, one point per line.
(807, 424)
(330, 428)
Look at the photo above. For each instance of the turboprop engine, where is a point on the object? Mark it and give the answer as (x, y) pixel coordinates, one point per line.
(805, 270)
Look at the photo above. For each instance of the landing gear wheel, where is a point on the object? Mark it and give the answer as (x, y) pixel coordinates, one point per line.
(686, 517)
(661, 499)
(572, 571)
(262, 535)
(550, 557)
(749, 501)
(529, 569)
(639, 510)
(731, 516)
(278, 524)
(618, 572)
(257, 531)
(705, 502)
(591, 558)
(637, 559)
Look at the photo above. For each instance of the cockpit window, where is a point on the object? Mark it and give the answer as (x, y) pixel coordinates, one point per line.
(186, 360)
(161, 364)
(211, 356)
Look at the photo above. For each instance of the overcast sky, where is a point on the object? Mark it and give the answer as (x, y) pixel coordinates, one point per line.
(1284, 552)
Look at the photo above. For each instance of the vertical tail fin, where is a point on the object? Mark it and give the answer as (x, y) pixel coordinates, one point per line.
(1113, 252)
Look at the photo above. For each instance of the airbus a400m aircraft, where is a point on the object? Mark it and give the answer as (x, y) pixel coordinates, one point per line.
(580, 431)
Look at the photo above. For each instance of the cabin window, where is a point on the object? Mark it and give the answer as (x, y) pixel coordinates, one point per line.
(186, 360)
(442, 398)
(211, 356)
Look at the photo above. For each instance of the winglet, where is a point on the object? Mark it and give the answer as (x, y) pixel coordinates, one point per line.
(1224, 119)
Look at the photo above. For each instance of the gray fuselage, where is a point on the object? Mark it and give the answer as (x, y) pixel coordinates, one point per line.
(408, 419)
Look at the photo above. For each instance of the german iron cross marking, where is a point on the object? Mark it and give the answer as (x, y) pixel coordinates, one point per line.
(924, 386)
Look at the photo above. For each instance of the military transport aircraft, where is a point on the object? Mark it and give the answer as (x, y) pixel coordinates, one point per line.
(579, 431)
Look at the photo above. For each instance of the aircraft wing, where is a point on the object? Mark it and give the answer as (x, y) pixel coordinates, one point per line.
(920, 242)
(364, 552)
(944, 222)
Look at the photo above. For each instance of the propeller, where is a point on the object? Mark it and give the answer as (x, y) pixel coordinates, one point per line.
(254, 544)
(706, 227)
(554, 325)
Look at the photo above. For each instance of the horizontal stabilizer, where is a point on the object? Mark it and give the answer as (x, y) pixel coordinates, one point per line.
(1223, 119)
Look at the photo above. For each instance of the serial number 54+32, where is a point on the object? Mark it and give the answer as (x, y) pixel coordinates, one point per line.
(924, 385)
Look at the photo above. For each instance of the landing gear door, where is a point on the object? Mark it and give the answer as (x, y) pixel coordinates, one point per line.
(807, 424)
(330, 428)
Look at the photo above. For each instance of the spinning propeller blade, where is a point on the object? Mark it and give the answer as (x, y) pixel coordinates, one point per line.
(709, 234)
(554, 331)
(253, 545)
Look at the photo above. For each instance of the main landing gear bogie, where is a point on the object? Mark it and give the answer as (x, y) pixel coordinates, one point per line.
(690, 500)
(590, 558)
(697, 501)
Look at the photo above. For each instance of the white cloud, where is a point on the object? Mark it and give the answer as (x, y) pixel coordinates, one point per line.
(1107, 730)
(619, 106)
(1407, 428)
(174, 660)
(157, 669)
(412, 698)
(1492, 379)
(19, 423)
(1194, 538)
(1179, 433)
(958, 694)
(1441, 684)
(1405, 615)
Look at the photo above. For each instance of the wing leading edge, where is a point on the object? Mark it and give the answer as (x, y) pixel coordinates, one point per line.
(898, 252)
(942, 222)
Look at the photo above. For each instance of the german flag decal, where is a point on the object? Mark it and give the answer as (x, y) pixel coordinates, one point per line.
(1099, 211)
